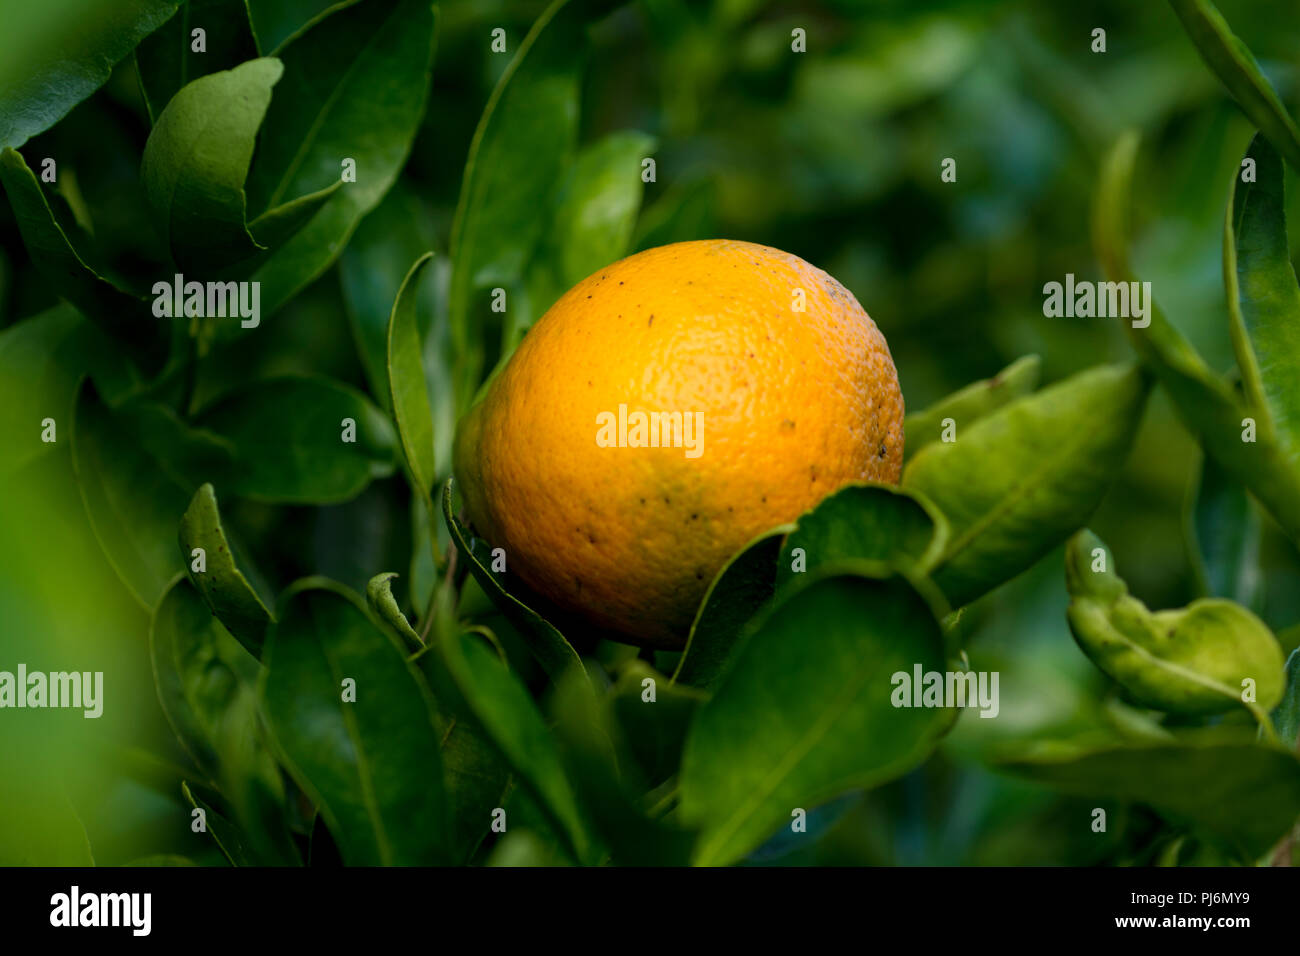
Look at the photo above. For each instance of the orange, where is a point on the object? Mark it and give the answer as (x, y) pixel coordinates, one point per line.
(789, 382)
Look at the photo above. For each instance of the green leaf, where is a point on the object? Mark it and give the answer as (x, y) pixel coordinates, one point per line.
(207, 685)
(42, 359)
(1205, 402)
(354, 88)
(737, 591)
(597, 205)
(134, 507)
(196, 161)
(604, 769)
(289, 435)
(166, 59)
(868, 521)
(548, 645)
(1244, 795)
(232, 844)
(1018, 482)
(1223, 532)
(1264, 298)
(198, 669)
(275, 21)
(371, 765)
(655, 729)
(503, 708)
(59, 53)
(119, 313)
(804, 713)
(1233, 63)
(478, 781)
(519, 151)
(379, 594)
(1193, 660)
(408, 394)
(1286, 718)
(968, 405)
(372, 270)
(225, 590)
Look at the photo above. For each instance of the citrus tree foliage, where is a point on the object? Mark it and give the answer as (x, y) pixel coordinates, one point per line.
(256, 260)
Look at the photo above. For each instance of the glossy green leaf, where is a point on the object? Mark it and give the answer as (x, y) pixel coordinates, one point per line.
(1232, 62)
(196, 161)
(121, 314)
(134, 507)
(654, 716)
(1205, 402)
(42, 80)
(275, 21)
(604, 768)
(379, 593)
(595, 209)
(1193, 660)
(41, 360)
(289, 435)
(1263, 297)
(354, 88)
(804, 713)
(187, 454)
(523, 141)
(598, 204)
(371, 765)
(736, 593)
(1286, 718)
(1244, 795)
(166, 59)
(1223, 530)
(372, 269)
(478, 781)
(1018, 482)
(207, 685)
(407, 393)
(968, 405)
(548, 645)
(233, 845)
(502, 706)
(198, 669)
(226, 592)
(867, 521)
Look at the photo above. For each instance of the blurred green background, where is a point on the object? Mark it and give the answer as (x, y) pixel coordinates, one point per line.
(834, 155)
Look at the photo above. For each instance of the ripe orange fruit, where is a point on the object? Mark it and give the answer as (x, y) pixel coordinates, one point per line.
(779, 408)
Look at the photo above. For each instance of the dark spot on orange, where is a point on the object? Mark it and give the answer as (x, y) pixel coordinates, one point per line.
(882, 450)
